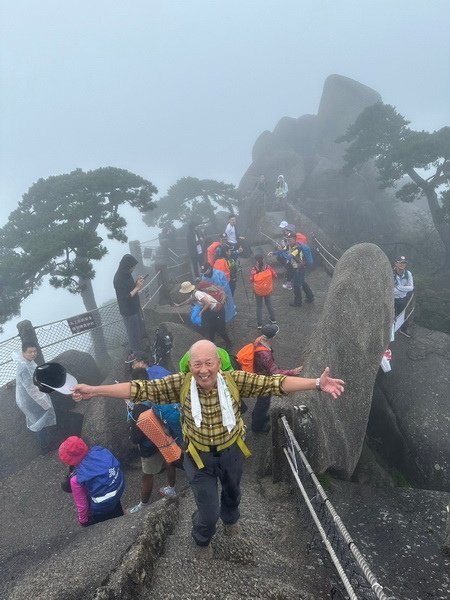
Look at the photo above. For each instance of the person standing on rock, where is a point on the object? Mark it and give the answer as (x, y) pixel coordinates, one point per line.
(212, 428)
(35, 405)
(264, 364)
(127, 293)
(196, 244)
(152, 461)
(281, 190)
(403, 286)
(261, 278)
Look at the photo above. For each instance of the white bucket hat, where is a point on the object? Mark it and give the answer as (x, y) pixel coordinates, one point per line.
(186, 287)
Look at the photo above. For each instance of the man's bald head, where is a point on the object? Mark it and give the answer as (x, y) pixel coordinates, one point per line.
(204, 363)
(203, 346)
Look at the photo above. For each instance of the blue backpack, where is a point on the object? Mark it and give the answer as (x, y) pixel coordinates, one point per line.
(100, 472)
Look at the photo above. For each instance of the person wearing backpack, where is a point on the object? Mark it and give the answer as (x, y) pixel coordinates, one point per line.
(212, 299)
(213, 429)
(211, 275)
(96, 480)
(152, 461)
(261, 278)
(264, 364)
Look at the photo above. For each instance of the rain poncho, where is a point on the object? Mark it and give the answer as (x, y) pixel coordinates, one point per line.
(35, 405)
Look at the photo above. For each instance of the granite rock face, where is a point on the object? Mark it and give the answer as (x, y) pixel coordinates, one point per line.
(350, 208)
(409, 422)
(351, 336)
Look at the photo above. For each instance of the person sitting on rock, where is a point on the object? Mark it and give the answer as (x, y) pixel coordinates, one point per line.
(152, 461)
(212, 428)
(403, 287)
(96, 480)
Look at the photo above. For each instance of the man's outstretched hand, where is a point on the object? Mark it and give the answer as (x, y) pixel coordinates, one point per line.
(334, 387)
(82, 391)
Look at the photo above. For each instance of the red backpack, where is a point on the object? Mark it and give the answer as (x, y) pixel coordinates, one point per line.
(263, 282)
(216, 291)
(301, 238)
(246, 355)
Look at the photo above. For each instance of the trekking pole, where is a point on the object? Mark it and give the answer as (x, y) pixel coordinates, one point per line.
(267, 236)
(245, 288)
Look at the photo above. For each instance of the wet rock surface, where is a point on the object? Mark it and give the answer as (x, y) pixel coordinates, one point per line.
(410, 415)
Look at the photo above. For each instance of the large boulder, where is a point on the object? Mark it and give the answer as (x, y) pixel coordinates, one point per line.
(352, 334)
(409, 422)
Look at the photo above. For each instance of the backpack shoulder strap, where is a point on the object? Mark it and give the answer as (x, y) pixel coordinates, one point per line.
(184, 391)
(234, 390)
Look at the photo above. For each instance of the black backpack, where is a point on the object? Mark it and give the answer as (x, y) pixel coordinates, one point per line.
(162, 345)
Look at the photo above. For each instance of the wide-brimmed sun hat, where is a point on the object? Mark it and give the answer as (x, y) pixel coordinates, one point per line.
(186, 287)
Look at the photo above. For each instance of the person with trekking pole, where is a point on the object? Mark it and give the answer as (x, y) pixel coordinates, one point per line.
(213, 429)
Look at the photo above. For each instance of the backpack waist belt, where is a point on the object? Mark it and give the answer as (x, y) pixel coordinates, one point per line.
(193, 448)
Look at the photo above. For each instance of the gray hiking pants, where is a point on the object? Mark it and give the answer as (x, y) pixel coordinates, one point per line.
(225, 466)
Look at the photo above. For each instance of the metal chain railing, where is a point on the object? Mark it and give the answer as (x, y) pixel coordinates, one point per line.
(357, 579)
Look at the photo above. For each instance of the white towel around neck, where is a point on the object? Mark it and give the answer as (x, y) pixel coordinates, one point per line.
(225, 400)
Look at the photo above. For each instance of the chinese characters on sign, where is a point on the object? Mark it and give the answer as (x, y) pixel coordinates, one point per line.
(81, 323)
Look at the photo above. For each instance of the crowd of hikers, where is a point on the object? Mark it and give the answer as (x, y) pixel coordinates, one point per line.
(211, 294)
(191, 419)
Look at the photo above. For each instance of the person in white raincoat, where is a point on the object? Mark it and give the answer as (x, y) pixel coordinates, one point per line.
(35, 405)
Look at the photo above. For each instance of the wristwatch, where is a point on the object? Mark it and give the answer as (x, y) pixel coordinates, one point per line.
(318, 388)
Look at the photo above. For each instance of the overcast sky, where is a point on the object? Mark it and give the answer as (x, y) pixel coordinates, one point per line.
(170, 88)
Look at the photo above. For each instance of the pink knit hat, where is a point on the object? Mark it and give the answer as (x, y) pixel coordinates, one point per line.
(72, 450)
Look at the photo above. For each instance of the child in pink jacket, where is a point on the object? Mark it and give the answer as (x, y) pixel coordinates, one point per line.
(95, 480)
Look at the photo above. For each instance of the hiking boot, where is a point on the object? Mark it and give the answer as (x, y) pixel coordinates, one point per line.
(259, 327)
(203, 552)
(294, 304)
(231, 529)
(310, 299)
(287, 286)
(138, 508)
(167, 492)
(273, 322)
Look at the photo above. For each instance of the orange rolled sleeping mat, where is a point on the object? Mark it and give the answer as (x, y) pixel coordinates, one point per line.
(152, 427)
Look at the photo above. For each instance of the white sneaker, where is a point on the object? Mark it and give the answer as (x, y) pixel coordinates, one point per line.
(167, 492)
(138, 507)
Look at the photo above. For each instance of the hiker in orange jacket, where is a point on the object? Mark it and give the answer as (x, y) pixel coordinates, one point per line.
(261, 278)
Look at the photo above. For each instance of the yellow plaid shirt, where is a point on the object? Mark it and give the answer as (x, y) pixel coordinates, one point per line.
(211, 431)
